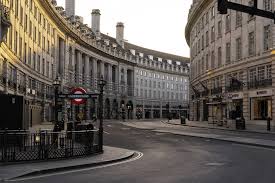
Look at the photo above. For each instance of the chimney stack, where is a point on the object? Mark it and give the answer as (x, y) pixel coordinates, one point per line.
(70, 8)
(96, 22)
(120, 34)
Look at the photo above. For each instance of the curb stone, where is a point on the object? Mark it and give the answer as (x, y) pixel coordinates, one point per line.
(81, 166)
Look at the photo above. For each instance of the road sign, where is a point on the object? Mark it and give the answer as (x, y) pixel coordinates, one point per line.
(78, 96)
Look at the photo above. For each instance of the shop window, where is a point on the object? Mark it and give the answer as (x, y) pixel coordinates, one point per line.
(262, 108)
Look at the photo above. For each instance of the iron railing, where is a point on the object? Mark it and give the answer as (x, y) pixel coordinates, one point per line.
(18, 146)
(217, 90)
(233, 88)
(260, 83)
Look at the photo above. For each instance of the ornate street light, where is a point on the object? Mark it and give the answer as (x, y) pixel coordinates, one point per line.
(56, 84)
(101, 84)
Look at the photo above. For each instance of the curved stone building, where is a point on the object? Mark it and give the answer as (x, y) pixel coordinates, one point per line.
(45, 42)
(231, 64)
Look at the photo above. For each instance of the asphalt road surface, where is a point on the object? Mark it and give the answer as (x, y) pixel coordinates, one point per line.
(171, 158)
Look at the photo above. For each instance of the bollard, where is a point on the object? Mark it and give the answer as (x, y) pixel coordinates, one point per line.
(268, 123)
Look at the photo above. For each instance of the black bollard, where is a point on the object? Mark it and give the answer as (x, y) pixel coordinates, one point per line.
(268, 123)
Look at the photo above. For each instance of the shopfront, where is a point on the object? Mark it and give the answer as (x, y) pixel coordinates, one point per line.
(260, 104)
(235, 105)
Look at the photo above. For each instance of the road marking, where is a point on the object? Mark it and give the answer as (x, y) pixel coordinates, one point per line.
(139, 155)
(125, 128)
(214, 164)
(106, 132)
(253, 147)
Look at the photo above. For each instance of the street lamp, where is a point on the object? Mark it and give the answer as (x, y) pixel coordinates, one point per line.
(123, 111)
(56, 84)
(129, 108)
(101, 84)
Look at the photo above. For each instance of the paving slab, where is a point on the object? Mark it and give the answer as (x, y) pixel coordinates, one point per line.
(110, 155)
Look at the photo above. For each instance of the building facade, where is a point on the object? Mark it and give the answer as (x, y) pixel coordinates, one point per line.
(232, 65)
(45, 42)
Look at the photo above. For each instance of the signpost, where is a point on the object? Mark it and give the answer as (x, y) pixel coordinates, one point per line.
(78, 100)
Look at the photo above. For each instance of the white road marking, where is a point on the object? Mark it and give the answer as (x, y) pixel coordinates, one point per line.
(214, 164)
(106, 132)
(139, 155)
(253, 147)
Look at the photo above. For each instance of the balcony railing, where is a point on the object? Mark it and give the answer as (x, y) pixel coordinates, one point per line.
(233, 88)
(204, 93)
(260, 83)
(217, 90)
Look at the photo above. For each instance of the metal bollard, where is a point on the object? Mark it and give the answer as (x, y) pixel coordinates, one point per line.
(268, 123)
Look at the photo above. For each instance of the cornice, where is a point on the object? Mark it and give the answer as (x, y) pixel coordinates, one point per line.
(162, 71)
(63, 26)
(193, 17)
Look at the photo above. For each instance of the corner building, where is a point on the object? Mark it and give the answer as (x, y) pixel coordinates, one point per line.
(43, 42)
(232, 65)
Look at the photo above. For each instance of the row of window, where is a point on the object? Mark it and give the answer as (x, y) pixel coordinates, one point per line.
(267, 41)
(204, 20)
(160, 85)
(160, 76)
(18, 77)
(255, 74)
(202, 65)
(160, 95)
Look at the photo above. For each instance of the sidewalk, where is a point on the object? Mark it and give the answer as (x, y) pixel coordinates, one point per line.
(248, 138)
(110, 155)
(204, 124)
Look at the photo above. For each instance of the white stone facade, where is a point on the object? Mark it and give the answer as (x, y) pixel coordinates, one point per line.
(232, 65)
(43, 43)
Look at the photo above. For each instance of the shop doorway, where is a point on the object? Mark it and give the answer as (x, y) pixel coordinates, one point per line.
(205, 110)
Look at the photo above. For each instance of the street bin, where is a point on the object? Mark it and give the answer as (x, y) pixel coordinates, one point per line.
(182, 120)
(240, 123)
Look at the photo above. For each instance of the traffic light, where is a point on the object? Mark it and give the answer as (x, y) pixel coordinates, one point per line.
(222, 6)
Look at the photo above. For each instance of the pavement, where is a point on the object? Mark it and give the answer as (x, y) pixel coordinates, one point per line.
(110, 155)
(205, 124)
(266, 140)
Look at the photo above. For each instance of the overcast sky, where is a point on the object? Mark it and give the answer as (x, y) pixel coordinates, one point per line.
(153, 24)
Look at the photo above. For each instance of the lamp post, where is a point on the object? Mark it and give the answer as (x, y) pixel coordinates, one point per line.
(101, 85)
(56, 84)
(123, 111)
(129, 108)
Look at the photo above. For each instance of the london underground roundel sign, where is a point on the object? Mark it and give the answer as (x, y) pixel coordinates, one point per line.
(78, 91)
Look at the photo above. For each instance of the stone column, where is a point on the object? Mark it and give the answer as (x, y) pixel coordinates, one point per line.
(94, 63)
(102, 69)
(61, 57)
(109, 80)
(5, 75)
(87, 71)
(44, 104)
(160, 109)
(246, 106)
(117, 80)
(88, 107)
(143, 110)
(79, 68)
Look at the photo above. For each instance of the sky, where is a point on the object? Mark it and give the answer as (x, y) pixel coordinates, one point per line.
(153, 24)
